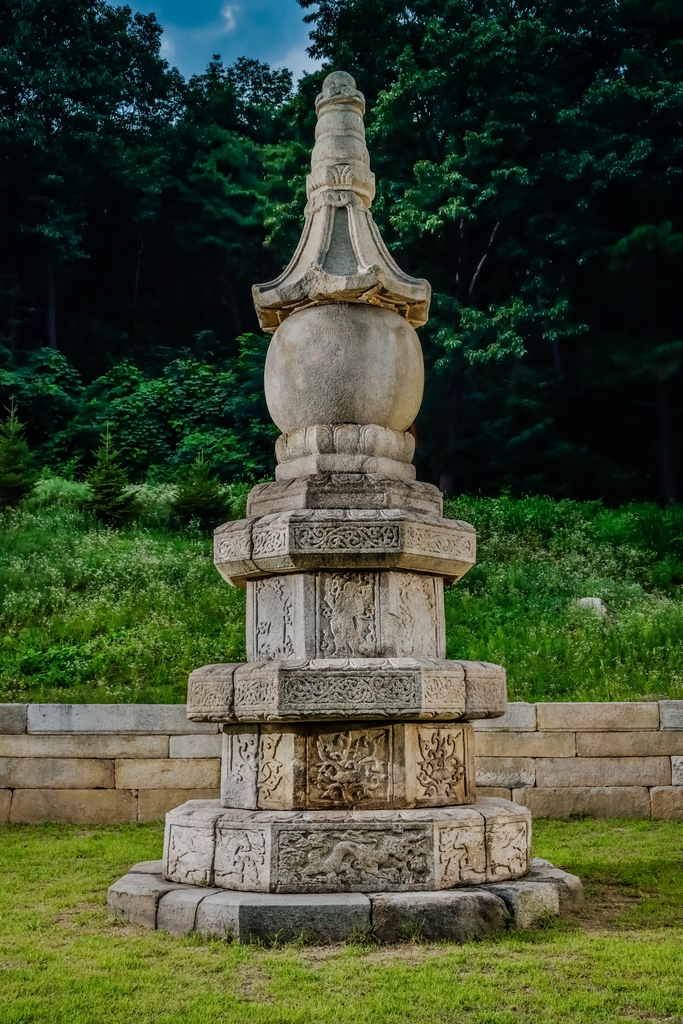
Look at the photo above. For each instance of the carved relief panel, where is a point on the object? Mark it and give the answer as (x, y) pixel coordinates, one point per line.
(345, 615)
(347, 766)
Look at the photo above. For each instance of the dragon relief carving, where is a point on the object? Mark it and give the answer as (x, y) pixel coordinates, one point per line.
(352, 768)
(346, 610)
(441, 770)
(341, 860)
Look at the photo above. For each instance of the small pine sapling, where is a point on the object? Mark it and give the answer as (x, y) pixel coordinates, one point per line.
(17, 474)
(111, 501)
(199, 497)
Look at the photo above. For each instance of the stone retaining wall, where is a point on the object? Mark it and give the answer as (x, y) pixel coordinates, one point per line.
(91, 763)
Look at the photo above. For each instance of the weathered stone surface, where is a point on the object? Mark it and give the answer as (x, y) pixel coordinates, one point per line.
(13, 719)
(332, 539)
(628, 744)
(195, 746)
(135, 898)
(154, 804)
(500, 792)
(345, 439)
(529, 903)
(176, 773)
(313, 464)
(594, 801)
(211, 693)
(146, 867)
(5, 802)
(365, 688)
(511, 772)
(518, 715)
(73, 806)
(112, 718)
(347, 765)
(317, 917)
(603, 771)
(84, 745)
(569, 887)
(676, 771)
(341, 256)
(494, 743)
(56, 773)
(671, 714)
(346, 490)
(345, 615)
(597, 717)
(177, 910)
(346, 851)
(667, 801)
(454, 916)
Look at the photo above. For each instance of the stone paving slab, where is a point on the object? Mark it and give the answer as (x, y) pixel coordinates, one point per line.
(528, 903)
(454, 916)
(144, 897)
(322, 918)
(569, 887)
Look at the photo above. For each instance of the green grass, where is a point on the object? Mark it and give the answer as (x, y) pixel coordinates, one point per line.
(618, 961)
(536, 558)
(91, 614)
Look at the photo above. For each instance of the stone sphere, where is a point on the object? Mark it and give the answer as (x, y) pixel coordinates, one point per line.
(344, 363)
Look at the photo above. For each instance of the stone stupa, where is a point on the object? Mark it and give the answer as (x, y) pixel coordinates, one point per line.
(348, 792)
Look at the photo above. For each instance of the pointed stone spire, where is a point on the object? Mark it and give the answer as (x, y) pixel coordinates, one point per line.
(341, 256)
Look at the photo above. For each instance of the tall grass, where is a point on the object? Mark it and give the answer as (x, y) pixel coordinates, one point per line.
(94, 614)
(536, 558)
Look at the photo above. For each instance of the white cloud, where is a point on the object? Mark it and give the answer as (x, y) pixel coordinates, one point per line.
(229, 12)
(298, 62)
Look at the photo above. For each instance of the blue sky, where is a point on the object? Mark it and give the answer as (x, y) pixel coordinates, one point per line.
(270, 30)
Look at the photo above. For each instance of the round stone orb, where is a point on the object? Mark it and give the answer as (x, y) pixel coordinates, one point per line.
(344, 363)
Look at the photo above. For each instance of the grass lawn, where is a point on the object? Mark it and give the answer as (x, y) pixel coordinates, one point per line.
(619, 960)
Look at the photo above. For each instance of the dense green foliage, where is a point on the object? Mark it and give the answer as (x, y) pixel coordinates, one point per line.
(94, 614)
(617, 961)
(529, 164)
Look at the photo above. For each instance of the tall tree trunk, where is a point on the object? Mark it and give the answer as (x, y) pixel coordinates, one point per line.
(51, 315)
(667, 442)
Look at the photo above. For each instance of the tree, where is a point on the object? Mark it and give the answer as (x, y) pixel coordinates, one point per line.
(112, 501)
(507, 170)
(199, 497)
(17, 475)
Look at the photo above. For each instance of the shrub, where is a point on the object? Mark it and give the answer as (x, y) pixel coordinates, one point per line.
(200, 497)
(17, 474)
(112, 500)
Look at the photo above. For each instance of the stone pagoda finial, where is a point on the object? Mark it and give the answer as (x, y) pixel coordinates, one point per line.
(341, 256)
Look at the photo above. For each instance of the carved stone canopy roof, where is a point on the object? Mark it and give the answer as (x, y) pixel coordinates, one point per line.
(341, 256)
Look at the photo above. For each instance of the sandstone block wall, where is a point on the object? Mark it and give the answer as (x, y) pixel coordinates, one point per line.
(92, 763)
(602, 760)
(99, 763)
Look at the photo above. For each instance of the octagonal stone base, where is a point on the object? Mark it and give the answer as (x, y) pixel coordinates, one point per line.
(346, 851)
(145, 898)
